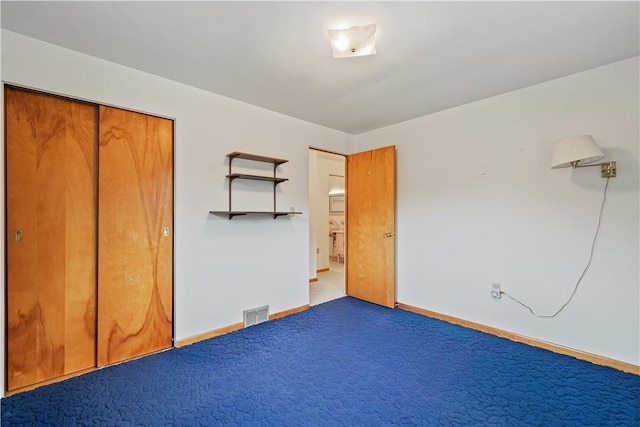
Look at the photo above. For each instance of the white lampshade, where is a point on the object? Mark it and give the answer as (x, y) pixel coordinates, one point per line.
(581, 149)
(354, 41)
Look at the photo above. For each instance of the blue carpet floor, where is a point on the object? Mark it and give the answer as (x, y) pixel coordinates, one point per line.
(346, 363)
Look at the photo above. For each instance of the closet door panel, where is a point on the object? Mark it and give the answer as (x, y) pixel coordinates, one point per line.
(135, 277)
(81, 221)
(51, 236)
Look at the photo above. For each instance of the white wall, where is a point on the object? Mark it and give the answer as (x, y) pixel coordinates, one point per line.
(477, 203)
(221, 267)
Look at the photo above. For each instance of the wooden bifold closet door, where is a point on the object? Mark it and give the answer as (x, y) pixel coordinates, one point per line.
(51, 236)
(89, 218)
(135, 298)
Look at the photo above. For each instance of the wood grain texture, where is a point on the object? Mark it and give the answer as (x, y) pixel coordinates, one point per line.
(51, 273)
(370, 199)
(211, 334)
(589, 357)
(49, 381)
(289, 312)
(135, 273)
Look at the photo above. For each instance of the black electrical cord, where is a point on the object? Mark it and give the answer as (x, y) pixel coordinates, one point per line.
(575, 289)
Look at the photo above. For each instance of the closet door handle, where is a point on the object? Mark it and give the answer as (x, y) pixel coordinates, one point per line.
(165, 231)
(18, 235)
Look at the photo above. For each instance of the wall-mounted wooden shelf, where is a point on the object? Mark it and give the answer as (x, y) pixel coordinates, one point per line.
(231, 214)
(255, 157)
(256, 177)
(275, 179)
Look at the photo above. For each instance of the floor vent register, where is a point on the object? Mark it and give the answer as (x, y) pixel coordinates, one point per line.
(254, 316)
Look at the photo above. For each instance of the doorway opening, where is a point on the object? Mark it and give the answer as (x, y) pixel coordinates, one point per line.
(327, 224)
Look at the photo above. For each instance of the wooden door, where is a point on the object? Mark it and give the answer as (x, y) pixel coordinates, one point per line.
(135, 277)
(51, 236)
(370, 230)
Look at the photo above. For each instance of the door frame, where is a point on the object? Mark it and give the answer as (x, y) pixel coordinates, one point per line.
(346, 213)
(312, 252)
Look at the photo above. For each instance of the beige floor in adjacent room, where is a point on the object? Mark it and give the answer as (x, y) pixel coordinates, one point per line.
(330, 285)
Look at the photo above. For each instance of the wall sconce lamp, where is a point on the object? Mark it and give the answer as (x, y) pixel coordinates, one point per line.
(577, 151)
(574, 152)
(353, 41)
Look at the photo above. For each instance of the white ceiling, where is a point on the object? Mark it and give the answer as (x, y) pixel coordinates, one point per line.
(431, 55)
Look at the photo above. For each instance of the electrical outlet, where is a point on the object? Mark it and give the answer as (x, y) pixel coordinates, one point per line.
(496, 291)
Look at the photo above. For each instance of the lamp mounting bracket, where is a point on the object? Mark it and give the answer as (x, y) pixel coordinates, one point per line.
(608, 169)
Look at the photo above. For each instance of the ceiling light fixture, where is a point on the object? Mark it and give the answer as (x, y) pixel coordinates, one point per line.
(353, 41)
